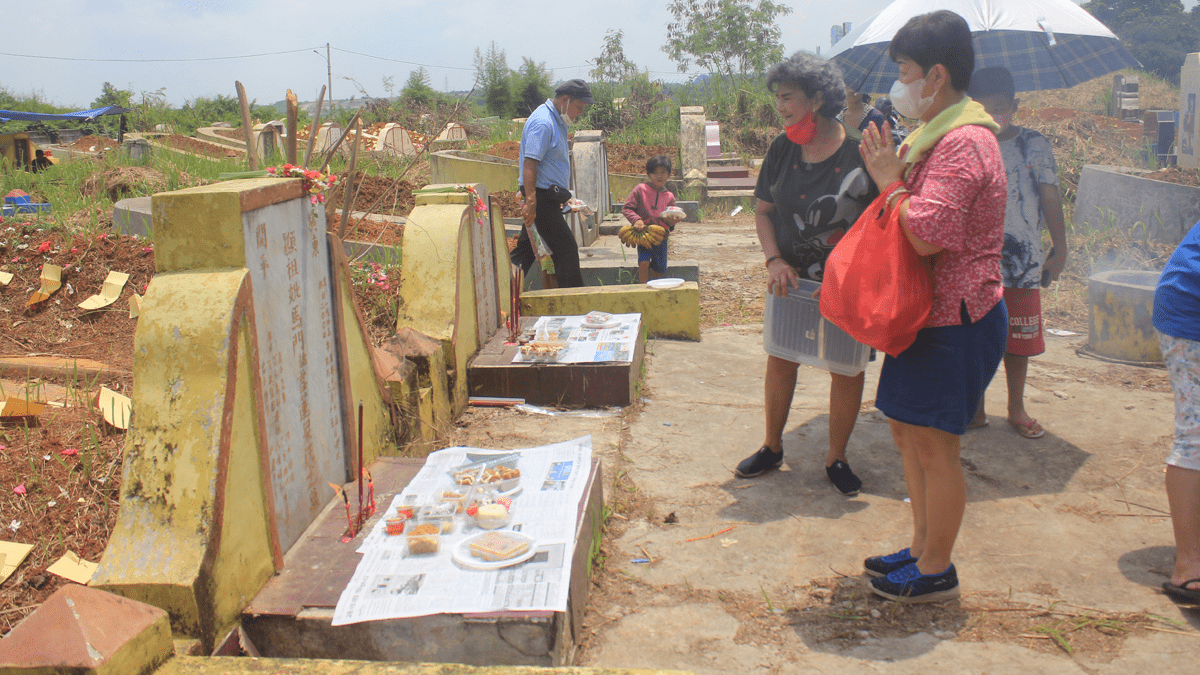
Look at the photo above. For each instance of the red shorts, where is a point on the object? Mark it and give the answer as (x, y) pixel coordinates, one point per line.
(1024, 321)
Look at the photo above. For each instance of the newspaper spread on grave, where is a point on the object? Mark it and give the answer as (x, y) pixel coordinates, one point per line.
(388, 584)
(611, 341)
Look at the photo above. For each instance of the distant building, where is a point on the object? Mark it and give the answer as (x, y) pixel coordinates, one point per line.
(837, 32)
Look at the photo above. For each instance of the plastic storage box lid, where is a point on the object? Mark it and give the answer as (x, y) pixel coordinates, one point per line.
(793, 329)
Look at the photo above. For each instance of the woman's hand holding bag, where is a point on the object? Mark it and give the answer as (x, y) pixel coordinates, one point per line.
(875, 286)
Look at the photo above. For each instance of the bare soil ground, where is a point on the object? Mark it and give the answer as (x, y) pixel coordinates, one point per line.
(198, 147)
(94, 144)
(629, 159)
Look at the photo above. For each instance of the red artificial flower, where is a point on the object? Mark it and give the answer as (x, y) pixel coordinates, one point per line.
(69, 452)
(43, 247)
(74, 250)
(20, 489)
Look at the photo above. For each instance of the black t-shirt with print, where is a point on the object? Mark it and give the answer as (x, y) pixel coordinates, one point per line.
(815, 204)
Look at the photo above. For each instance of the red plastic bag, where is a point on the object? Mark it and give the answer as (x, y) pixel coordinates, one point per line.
(875, 286)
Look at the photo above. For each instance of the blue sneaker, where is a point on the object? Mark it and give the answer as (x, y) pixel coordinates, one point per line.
(883, 565)
(907, 584)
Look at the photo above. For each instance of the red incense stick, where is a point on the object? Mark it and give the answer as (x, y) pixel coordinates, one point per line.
(360, 464)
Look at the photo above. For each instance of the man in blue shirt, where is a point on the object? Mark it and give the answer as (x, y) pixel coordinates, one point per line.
(545, 174)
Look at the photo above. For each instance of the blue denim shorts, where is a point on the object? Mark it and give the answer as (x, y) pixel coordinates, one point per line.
(939, 381)
(657, 255)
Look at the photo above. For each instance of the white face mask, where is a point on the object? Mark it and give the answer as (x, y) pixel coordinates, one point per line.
(907, 100)
(565, 117)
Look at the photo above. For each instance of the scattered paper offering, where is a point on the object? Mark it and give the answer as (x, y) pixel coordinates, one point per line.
(113, 284)
(19, 407)
(51, 282)
(1060, 333)
(5, 278)
(135, 306)
(115, 407)
(11, 556)
(70, 566)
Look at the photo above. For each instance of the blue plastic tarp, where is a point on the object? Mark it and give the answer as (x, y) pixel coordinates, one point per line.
(81, 115)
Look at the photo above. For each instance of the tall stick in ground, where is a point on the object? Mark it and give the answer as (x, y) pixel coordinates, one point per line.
(293, 114)
(312, 132)
(348, 202)
(247, 128)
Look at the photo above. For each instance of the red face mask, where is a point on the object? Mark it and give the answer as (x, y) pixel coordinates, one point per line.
(803, 132)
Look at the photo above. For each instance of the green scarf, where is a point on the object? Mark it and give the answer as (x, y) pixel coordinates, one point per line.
(921, 141)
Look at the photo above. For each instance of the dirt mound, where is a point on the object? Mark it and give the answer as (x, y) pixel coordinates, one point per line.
(1174, 174)
(124, 181)
(199, 147)
(510, 203)
(94, 144)
(506, 150)
(235, 134)
(371, 230)
(394, 199)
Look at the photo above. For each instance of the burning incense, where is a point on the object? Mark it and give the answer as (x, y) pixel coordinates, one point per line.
(346, 499)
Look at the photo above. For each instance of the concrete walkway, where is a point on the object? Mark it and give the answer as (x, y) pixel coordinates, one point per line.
(1060, 534)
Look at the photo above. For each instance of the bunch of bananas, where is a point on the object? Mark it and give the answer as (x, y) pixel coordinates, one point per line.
(651, 235)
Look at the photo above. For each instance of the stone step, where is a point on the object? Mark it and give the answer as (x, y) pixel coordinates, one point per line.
(718, 184)
(728, 172)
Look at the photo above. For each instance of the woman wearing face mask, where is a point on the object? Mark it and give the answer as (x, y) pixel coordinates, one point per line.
(952, 211)
(811, 189)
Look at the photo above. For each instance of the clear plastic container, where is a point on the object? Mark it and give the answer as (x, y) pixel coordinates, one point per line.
(794, 329)
(423, 539)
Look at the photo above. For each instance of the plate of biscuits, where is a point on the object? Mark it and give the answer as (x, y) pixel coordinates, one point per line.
(494, 549)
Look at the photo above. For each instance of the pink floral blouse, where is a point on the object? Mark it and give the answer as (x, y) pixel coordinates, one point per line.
(959, 193)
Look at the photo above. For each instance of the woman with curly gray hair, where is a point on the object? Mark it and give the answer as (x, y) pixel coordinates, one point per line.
(811, 189)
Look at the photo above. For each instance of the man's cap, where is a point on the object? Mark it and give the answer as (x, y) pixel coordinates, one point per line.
(990, 82)
(575, 89)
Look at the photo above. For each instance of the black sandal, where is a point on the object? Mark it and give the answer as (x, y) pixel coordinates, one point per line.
(843, 478)
(759, 463)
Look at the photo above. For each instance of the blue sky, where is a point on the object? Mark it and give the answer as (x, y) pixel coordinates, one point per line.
(443, 36)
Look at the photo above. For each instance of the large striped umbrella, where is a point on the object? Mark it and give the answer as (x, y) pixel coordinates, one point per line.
(1047, 44)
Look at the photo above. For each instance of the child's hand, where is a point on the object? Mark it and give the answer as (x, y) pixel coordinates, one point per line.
(1054, 266)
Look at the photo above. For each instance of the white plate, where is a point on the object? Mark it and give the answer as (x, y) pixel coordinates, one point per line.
(600, 326)
(670, 282)
(462, 553)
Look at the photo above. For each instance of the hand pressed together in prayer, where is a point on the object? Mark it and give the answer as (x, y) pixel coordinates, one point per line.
(879, 155)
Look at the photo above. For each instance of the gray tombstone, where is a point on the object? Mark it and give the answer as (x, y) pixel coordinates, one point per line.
(712, 139)
(287, 255)
(589, 158)
(1187, 136)
(692, 149)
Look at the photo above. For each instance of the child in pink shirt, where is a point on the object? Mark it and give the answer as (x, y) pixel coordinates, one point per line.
(644, 207)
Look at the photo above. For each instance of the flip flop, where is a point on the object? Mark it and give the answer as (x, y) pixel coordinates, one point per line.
(977, 425)
(1030, 429)
(1182, 592)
